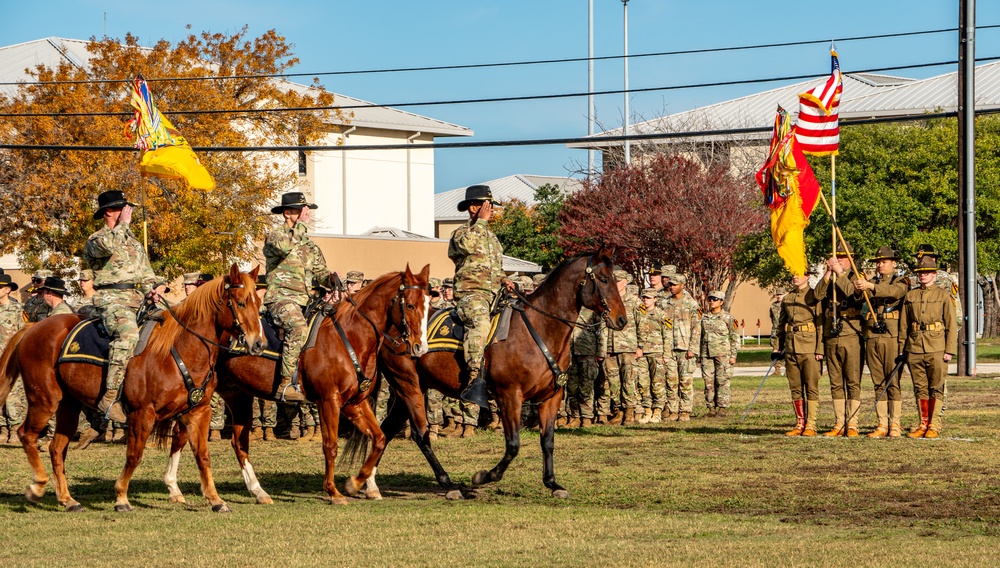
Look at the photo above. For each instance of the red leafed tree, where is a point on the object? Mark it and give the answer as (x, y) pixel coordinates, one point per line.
(668, 209)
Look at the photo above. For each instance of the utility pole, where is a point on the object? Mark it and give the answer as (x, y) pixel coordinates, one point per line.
(628, 149)
(968, 286)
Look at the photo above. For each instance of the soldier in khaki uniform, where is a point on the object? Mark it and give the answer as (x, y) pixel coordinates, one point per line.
(11, 320)
(928, 340)
(720, 340)
(775, 313)
(882, 338)
(620, 349)
(798, 337)
(122, 276)
(684, 315)
(842, 333)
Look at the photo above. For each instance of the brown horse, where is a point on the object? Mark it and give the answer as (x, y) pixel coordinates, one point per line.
(518, 369)
(391, 313)
(154, 389)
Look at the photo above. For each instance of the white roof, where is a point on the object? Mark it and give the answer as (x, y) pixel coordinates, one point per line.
(15, 59)
(521, 187)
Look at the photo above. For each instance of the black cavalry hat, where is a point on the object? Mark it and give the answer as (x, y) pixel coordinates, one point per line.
(54, 284)
(109, 199)
(5, 280)
(927, 250)
(884, 253)
(292, 200)
(261, 281)
(475, 193)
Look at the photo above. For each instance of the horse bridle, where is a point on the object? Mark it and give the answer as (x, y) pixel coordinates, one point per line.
(589, 274)
(405, 327)
(241, 341)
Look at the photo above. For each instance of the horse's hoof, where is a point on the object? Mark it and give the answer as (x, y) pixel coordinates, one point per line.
(176, 499)
(126, 508)
(374, 495)
(481, 477)
(32, 498)
(339, 501)
(352, 487)
(264, 500)
(561, 494)
(77, 508)
(221, 508)
(454, 495)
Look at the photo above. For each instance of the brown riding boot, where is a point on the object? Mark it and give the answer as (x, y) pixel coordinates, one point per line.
(924, 407)
(882, 411)
(285, 393)
(852, 421)
(111, 406)
(812, 411)
(933, 419)
(839, 409)
(800, 418)
(629, 417)
(468, 431)
(268, 434)
(86, 437)
(895, 412)
(215, 435)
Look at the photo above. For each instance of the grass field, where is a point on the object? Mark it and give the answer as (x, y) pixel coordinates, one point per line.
(707, 492)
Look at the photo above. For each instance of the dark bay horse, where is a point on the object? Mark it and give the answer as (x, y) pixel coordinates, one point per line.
(517, 369)
(390, 313)
(153, 391)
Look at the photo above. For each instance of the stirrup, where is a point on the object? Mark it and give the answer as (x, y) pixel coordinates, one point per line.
(297, 397)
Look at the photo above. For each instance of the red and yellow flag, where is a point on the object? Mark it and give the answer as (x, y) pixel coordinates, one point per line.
(790, 192)
(165, 153)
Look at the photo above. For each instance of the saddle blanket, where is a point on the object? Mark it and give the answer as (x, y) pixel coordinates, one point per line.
(446, 332)
(273, 349)
(89, 342)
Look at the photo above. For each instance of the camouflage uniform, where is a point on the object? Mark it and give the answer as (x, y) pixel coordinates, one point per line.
(585, 370)
(294, 264)
(35, 308)
(684, 316)
(477, 254)
(117, 258)
(619, 348)
(11, 320)
(775, 312)
(651, 326)
(720, 340)
(60, 309)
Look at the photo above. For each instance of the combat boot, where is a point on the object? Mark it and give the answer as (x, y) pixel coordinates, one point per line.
(721, 412)
(106, 435)
(4, 434)
(812, 411)
(839, 409)
(712, 412)
(468, 431)
(668, 416)
(111, 406)
(586, 422)
(896, 411)
(215, 435)
(800, 418)
(268, 434)
(933, 416)
(684, 417)
(86, 437)
(852, 421)
(432, 434)
(646, 416)
(304, 433)
(119, 436)
(618, 417)
(256, 434)
(925, 418)
(629, 417)
(882, 410)
(286, 392)
(654, 417)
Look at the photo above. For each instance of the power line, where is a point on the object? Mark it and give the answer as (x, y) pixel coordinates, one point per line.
(499, 99)
(501, 143)
(506, 63)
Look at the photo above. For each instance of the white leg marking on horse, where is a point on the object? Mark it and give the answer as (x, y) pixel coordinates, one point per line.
(424, 348)
(170, 477)
(370, 482)
(250, 478)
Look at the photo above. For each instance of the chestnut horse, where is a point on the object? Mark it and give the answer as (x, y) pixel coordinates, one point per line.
(153, 391)
(517, 368)
(391, 313)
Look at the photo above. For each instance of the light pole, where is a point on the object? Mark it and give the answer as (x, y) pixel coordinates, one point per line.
(628, 149)
(590, 86)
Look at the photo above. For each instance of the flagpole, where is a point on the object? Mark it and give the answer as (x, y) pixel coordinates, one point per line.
(833, 225)
(142, 200)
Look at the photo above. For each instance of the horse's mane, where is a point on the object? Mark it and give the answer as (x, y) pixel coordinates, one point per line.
(199, 306)
(368, 290)
(556, 273)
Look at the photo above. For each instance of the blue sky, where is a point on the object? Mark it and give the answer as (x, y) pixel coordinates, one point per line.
(335, 35)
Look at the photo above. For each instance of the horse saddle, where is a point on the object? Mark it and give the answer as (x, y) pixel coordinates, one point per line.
(89, 342)
(274, 339)
(446, 332)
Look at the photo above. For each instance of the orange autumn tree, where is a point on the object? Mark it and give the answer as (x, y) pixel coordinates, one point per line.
(49, 196)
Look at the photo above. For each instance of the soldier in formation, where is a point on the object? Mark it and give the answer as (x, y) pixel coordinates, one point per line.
(775, 313)
(799, 341)
(11, 320)
(620, 349)
(684, 317)
(585, 369)
(652, 334)
(720, 341)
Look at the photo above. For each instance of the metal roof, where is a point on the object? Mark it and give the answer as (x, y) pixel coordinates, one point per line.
(15, 59)
(521, 187)
(755, 110)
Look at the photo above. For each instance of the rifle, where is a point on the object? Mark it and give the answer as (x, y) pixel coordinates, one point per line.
(774, 361)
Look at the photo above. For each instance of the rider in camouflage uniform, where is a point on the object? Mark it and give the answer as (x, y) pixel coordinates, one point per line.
(294, 263)
(121, 276)
(479, 275)
(719, 343)
(11, 320)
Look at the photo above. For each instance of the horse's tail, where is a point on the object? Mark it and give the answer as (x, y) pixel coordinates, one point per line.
(162, 431)
(10, 364)
(358, 445)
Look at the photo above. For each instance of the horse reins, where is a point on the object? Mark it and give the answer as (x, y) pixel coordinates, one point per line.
(232, 310)
(585, 326)
(398, 299)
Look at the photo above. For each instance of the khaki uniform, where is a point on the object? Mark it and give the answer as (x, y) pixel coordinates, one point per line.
(720, 340)
(684, 316)
(928, 330)
(843, 351)
(881, 349)
(798, 335)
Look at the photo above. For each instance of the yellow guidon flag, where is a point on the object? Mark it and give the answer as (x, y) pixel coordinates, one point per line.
(165, 153)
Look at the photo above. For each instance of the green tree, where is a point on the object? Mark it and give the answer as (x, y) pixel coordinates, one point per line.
(531, 232)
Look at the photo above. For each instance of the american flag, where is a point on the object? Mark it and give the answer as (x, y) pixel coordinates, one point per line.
(817, 130)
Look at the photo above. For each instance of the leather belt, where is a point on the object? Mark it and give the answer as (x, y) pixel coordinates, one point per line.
(800, 327)
(887, 315)
(936, 326)
(116, 287)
